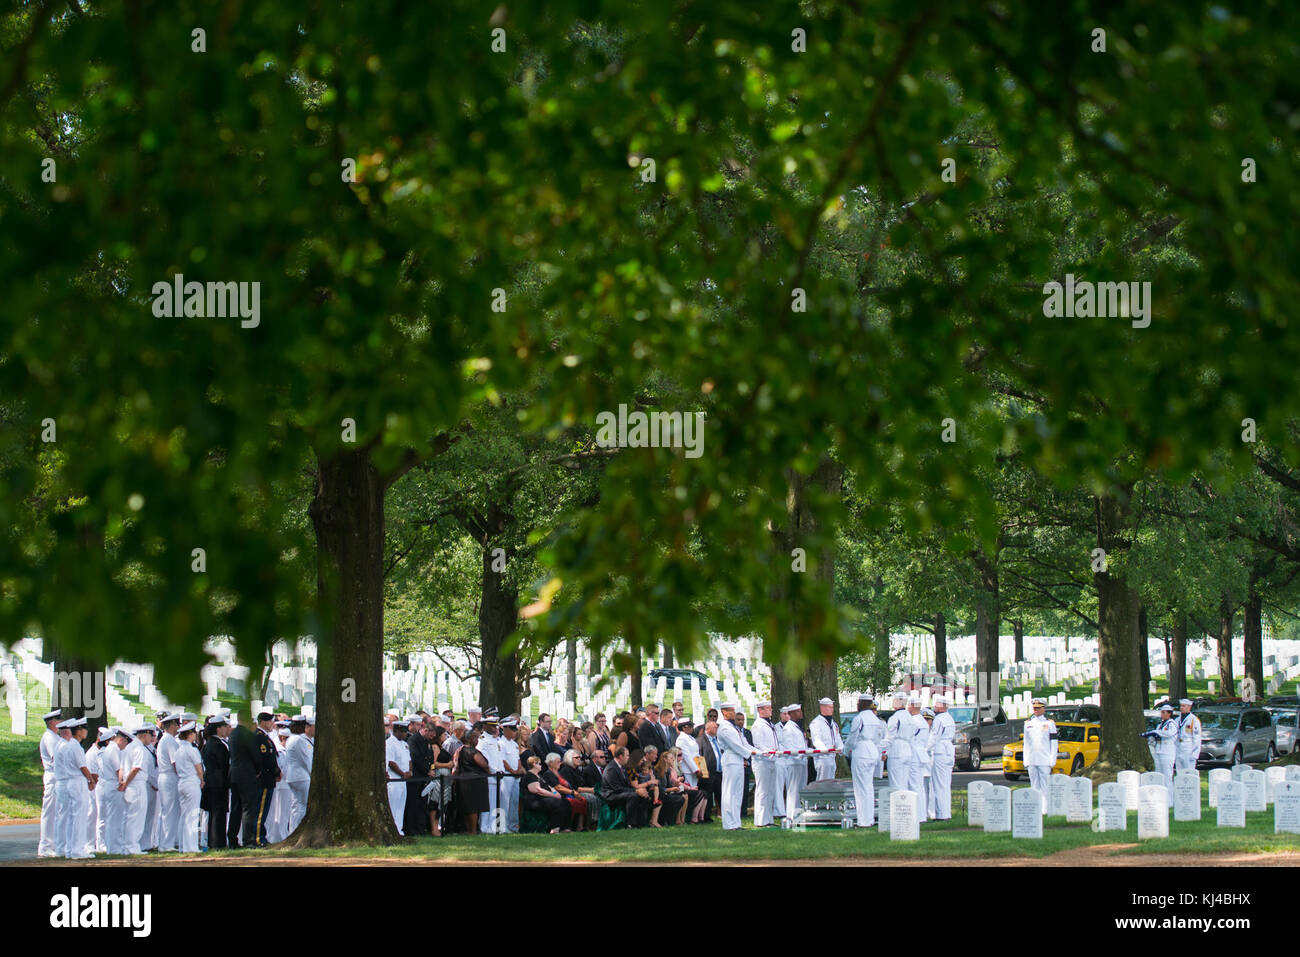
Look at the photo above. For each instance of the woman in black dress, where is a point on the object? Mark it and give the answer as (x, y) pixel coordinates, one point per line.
(627, 738)
(674, 810)
(552, 779)
(539, 797)
(439, 798)
(471, 776)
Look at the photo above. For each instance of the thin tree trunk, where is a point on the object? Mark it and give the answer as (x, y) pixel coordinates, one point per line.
(571, 682)
(593, 665)
(637, 672)
(1018, 632)
(1226, 614)
(1178, 660)
(987, 628)
(1253, 650)
(1120, 673)
(1144, 658)
(348, 787)
(940, 644)
(668, 655)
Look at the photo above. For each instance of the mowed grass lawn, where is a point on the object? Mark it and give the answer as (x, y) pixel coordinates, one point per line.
(20, 764)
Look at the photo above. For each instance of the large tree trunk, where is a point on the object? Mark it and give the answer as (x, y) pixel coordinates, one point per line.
(1178, 660)
(1226, 613)
(1120, 673)
(668, 655)
(1253, 630)
(1144, 658)
(987, 628)
(637, 672)
(820, 678)
(1018, 633)
(571, 677)
(940, 644)
(498, 617)
(349, 800)
(593, 665)
(80, 687)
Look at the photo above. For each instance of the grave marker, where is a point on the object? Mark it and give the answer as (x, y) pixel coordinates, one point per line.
(1286, 808)
(1153, 812)
(997, 810)
(1256, 792)
(976, 795)
(1112, 804)
(903, 823)
(1232, 805)
(1078, 805)
(1058, 786)
(1187, 796)
(1027, 814)
(1130, 782)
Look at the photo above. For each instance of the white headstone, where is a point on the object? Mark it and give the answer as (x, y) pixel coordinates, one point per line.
(1026, 813)
(1058, 786)
(883, 798)
(1293, 772)
(1078, 803)
(1112, 807)
(1256, 792)
(1151, 779)
(997, 810)
(1153, 812)
(1232, 804)
(976, 794)
(1218, 778)
(1286, 808)
(1130, 781)
(903, 823)
(1187, 796)
(18, 715)
(1272, 778)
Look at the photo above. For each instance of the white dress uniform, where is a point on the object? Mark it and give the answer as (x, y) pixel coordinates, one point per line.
(735, 751)
(92, 816)
(168, 809)
(866, 732)
(1188, 748)
(399, 753)
(825, 735)
(188, 764)
(71, 798)
(1040, 752)
(135, 798)
(508, 800)
(690, 751)
(297, 770)
(920, 766)
(112, 808)
(942, 760)
(1166, 744)
(277, 817)
(899, 734)
(149, 837)
(490, 747)
(796, 766)
(50, 743)
(767, 777)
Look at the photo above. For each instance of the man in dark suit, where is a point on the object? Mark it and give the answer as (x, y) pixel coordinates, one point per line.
(617, 791)
(711, 751)
(216, 779)
(254, 771)
(416, 814)
(649, 731)
(542, 742)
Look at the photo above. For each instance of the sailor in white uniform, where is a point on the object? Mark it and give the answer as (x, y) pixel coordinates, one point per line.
(298, 755)
(98, 761)
(51, 741)
(796, 765)
(865, 736)
(508, 794)
(1165, 736)
(168, 809)
(1040, 749)
(943, 756)
(489, 745)
(112, 809)
(1189, 738)
(134, 776)
(898, 744)
(825, 734)
(73, 783)
(92, 765)
(767, 776)
(690, 749)
(189, 787)
(149, 836)
(735, 752)
(397, 768)
(278, 816)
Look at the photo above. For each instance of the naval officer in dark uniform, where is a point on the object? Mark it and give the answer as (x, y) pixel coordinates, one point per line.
(254, 771)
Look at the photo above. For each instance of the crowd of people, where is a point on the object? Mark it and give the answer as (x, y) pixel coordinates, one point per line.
(150, 787)
(160, 786)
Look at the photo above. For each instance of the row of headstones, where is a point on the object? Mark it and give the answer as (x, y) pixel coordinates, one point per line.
(15, 699)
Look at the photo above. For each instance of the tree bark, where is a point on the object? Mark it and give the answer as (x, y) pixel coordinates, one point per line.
(498, 617)
(820, 677)
(668, 655)
(1178, 660)
(1122, 747)
(1144, 658)
(1018, 632)
(987, 627)
(571, 680)
(402, 661)
(1253, 650)
(940, 644)
(593, 665)
(1226, 614)
(638, 672)
(348, 788)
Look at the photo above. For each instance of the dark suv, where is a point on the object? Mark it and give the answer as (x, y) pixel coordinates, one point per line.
(690, 679)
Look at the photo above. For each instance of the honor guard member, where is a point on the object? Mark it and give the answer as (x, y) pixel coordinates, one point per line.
(51, 741)
(215, 797)
(1040, 748)
(863, 745)
(149, 836)
(926, 809)
(298, 757)
(920, 753)
(1166, 744)
(397, 765)
(1189, 738)
(735, 751)
(98, 768)
(690, 749)
(73, 784)
(796, 773)
(135, 788)
(898, 744)
(253, 771)
(112, 808)
(168, 810)
(489, 746)
(277, 818)
(767, 776)
(942, 732)
(512, 771)
(825, 737)
(189, 787)
(92, 765)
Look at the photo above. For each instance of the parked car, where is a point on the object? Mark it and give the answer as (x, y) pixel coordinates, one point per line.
(971, 740)
(1073, 712)
(1231, 735)
(1284, 723)
(1078, 743)
(690, 679)
(1288, 701)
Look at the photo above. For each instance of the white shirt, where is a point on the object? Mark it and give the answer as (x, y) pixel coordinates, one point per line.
(398, 752)
(735, 749)
(151, 766)
(869, 731)
(92, 758)
(298, 758)
(50, 743)
(791, 738)
(825, 733)
(898, 736)
(941, 734)
(188, 762)
(166, 755)
(69, 759)
(764, 734)
(1167, 741)
(1040, 741)
(110, 759)
(1189, 734)
(509, 751)
(490, 747)
(690, 751)
(135, 756)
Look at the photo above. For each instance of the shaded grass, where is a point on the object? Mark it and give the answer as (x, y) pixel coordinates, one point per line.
(20, 763)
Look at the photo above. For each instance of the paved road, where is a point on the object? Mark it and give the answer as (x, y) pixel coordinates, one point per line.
(18, 841)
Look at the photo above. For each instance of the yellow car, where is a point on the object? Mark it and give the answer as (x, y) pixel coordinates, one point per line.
(1077, 745)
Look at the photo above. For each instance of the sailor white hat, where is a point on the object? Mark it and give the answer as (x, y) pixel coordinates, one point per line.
(914, 699)
(825, 701)
(104, 734)
(49, 715)
(71, 723)
(796, 707)
(785, 710)
(217, 721)
(940, 699)
(763, 704)
(401, 724)
(726, 706)
(1042, 701)
(1185, 701)
(145, 729)
(1166, 706)
(865, 696)
(187, 726)
(511, 722)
